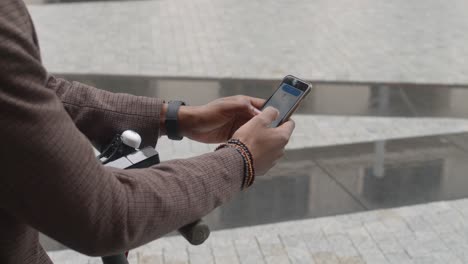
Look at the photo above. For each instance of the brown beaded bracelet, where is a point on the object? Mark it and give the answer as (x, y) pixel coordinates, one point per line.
(246, 149)
(245, 167)
(249, 172)
(248, 168)
(250, 175)
(242, 145)
(247, 164)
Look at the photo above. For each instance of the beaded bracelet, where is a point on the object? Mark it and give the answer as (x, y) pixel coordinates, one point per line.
(242, 145)
(248, 168)
(246, 149)
(249, 172)
(247, 165)
(251, 176)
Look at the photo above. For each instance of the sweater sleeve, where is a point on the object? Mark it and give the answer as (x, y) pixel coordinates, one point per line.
(51, 180)
(100, 114)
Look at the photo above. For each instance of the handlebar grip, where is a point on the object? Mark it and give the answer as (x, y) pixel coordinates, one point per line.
(196, 233)
(116, 259)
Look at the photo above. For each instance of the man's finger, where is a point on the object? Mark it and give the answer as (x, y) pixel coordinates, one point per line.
(256, 102)
(268, 115)
(255, 111)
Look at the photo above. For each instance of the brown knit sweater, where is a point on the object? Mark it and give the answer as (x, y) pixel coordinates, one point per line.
(50, 180)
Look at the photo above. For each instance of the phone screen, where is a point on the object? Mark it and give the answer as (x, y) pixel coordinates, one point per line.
(283, 100)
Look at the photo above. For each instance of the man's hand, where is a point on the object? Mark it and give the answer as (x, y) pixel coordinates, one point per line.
(217, 121)
(266, 144)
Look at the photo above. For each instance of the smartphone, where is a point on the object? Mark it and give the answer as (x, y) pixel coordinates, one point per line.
(287, 97)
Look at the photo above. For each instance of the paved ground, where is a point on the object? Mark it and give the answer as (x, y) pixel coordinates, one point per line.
(347, 40)
(428, 233)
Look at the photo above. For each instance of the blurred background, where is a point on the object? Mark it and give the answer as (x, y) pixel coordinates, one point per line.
(385, 125)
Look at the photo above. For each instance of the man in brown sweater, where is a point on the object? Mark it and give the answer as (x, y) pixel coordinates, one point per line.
(51, 182)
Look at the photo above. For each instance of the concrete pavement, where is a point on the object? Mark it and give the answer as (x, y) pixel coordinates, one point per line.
(420, 41)
(428, 233)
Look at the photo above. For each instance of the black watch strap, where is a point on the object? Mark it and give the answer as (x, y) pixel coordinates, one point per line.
(172, 121)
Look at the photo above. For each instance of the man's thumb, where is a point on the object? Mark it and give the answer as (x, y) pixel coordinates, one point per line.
(268, 115)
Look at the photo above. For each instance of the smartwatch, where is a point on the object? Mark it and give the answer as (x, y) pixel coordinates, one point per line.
(172, 121)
